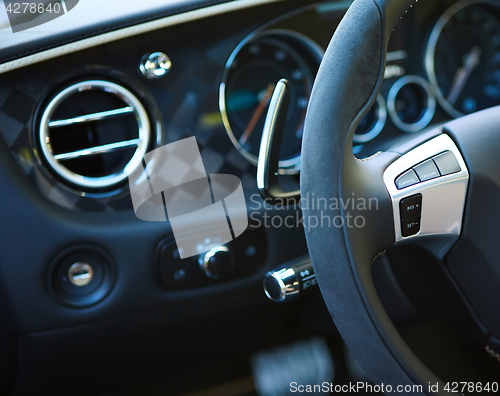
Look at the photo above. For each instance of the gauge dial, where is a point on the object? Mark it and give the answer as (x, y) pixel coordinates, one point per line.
(463, 57)
(251, 74)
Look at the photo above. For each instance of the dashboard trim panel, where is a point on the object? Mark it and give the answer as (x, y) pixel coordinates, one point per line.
(132, 31)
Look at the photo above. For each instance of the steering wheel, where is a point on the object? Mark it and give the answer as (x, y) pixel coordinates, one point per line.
(452, 213)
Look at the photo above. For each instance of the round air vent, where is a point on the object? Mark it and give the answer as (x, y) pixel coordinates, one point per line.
(94, 134)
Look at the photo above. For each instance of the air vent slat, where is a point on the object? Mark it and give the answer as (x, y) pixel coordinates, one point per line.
(106, 148)
(91, 117)
(101, 148)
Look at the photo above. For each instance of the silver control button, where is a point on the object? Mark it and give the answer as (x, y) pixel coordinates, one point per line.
(80, 274)
(427, 170)
(407, 179)
(447, 163)
(155, 65)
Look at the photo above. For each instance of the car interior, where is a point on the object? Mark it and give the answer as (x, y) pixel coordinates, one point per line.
(361, 135)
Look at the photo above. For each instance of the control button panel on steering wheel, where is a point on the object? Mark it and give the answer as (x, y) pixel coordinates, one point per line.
(435, 204)
(440, 165)
(411, 210)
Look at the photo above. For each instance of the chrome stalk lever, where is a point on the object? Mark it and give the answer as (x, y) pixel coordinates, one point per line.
(268, 163)
(285, 283)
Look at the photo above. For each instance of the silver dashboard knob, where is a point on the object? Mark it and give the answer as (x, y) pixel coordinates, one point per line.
(155, 65)
(217, 263)
(80, 274)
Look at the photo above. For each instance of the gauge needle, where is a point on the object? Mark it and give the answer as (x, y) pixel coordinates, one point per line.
(256, 115)
(463, 74)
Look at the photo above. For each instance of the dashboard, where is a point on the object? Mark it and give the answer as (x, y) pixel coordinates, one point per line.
(77, 125)
(448, 68)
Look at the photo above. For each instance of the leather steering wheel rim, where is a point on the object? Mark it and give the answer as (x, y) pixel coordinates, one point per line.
(346, 86)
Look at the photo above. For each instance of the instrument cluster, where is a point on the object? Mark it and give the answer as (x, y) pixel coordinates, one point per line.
(448, 67)
(450, 70)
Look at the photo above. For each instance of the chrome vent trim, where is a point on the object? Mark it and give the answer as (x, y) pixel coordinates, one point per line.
(56, 161)
(91, 117)
(106, 148)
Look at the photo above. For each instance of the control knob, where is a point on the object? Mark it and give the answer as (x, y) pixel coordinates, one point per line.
(217, 263)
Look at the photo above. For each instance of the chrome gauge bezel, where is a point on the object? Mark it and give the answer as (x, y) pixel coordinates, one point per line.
(431, 50)
(381, 114)
(289, 166)
(430, 105)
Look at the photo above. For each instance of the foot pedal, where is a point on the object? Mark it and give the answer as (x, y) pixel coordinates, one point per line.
(285, 370)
